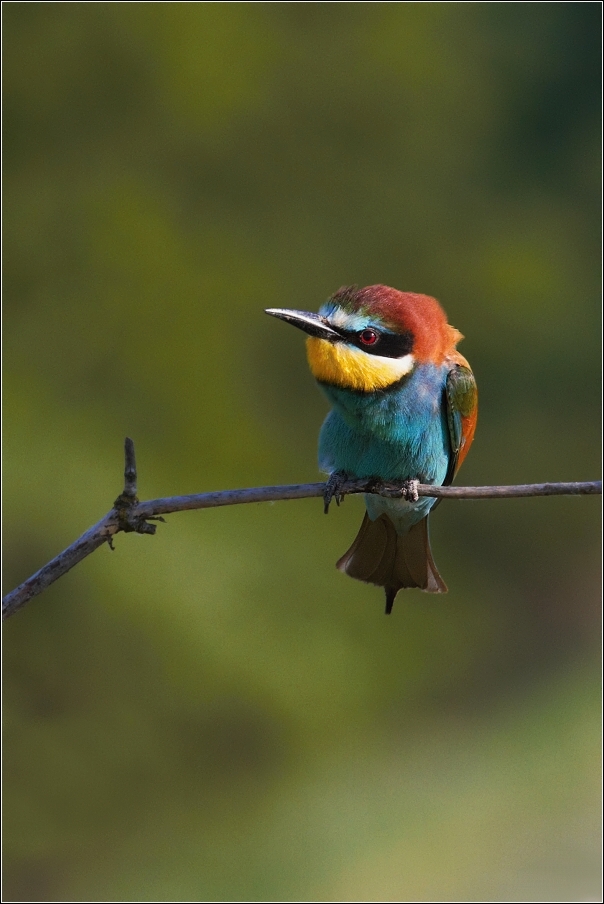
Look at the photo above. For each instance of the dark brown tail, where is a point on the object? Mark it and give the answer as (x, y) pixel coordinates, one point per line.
(381, 556)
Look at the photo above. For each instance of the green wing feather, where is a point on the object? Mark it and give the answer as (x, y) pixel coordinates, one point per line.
(461, 397)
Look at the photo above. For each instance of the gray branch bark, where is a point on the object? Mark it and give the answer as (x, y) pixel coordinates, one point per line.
(130, 515)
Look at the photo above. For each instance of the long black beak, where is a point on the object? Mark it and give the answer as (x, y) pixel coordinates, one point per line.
(313, 324)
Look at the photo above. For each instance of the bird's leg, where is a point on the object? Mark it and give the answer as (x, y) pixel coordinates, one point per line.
(333, 489)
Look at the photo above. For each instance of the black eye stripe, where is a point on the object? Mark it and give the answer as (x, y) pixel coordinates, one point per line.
(388, 345)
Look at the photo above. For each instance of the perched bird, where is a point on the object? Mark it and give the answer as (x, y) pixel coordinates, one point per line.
(404, 409)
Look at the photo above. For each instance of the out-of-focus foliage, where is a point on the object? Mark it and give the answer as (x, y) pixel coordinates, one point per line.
(216, 713)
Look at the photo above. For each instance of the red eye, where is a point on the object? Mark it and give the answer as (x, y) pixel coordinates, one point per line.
(368, 337)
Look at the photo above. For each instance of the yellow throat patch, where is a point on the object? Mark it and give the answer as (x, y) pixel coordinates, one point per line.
(351, 368)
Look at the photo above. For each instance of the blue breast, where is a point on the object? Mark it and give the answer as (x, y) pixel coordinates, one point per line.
(394, 434)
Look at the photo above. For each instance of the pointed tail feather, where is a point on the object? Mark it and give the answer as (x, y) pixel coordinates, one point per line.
(381, 556)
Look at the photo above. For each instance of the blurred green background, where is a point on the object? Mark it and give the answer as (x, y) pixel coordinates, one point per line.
(216, 713)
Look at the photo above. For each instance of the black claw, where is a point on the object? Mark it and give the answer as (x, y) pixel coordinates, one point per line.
(333, 489)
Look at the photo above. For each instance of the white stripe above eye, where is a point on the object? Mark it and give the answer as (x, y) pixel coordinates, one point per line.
(344, 320)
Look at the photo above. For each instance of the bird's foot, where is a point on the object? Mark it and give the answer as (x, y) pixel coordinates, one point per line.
(333, 489)
(409, 490)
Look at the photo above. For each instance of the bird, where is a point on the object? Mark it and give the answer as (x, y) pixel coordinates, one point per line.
(404, 410)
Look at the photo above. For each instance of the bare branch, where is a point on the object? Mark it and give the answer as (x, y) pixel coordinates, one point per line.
(128, 514)
(576, 488)
(311, 490)
(129, 469)
(88, 542)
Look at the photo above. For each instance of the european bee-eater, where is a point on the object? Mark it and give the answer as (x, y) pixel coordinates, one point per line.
(404, 409)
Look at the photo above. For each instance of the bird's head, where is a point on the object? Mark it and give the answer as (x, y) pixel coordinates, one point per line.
(369, 339)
